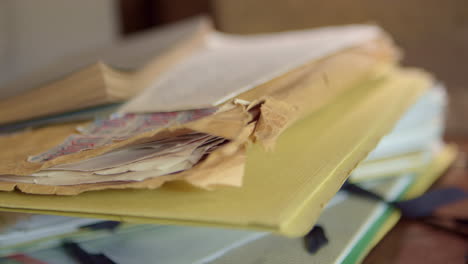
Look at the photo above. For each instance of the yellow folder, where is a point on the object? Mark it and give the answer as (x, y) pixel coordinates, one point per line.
(284, 190)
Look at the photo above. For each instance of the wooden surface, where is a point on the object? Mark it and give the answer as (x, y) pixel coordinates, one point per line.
(413, 242)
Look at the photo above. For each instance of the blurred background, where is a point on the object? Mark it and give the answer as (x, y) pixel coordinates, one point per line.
(433, 34)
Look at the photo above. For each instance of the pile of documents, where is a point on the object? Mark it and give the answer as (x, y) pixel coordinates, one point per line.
(252, 132)
(399, 167)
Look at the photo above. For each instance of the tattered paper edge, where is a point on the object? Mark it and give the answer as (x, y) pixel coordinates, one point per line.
(238, 124)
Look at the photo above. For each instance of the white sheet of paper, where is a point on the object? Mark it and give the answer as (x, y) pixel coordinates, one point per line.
(229, 65)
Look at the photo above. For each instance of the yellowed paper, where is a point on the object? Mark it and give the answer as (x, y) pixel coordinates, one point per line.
(283, 190)
(229, 65)
(305, 92)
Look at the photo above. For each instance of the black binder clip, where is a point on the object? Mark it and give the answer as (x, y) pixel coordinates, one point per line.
(315, 239)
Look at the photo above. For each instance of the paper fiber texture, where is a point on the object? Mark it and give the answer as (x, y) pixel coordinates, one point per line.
(283, 191)
(283, 101)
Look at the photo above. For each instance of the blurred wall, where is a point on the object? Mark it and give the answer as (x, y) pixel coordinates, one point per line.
(35, 33)
(137, 15)
(5, 40)
(432, 33)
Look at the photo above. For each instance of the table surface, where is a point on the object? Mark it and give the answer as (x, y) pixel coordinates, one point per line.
(413, 242)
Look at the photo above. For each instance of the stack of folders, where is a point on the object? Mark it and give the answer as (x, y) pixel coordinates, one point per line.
(254, 133)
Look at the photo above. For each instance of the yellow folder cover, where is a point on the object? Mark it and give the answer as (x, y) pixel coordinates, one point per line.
(284, 190)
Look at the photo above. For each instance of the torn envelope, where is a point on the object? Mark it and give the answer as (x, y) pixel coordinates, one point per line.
(258, 115)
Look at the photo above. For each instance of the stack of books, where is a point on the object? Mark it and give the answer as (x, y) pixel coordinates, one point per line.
(189, 126)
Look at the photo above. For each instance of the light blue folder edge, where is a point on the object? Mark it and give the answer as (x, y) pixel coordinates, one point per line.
(79, 115)
(359, 249)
